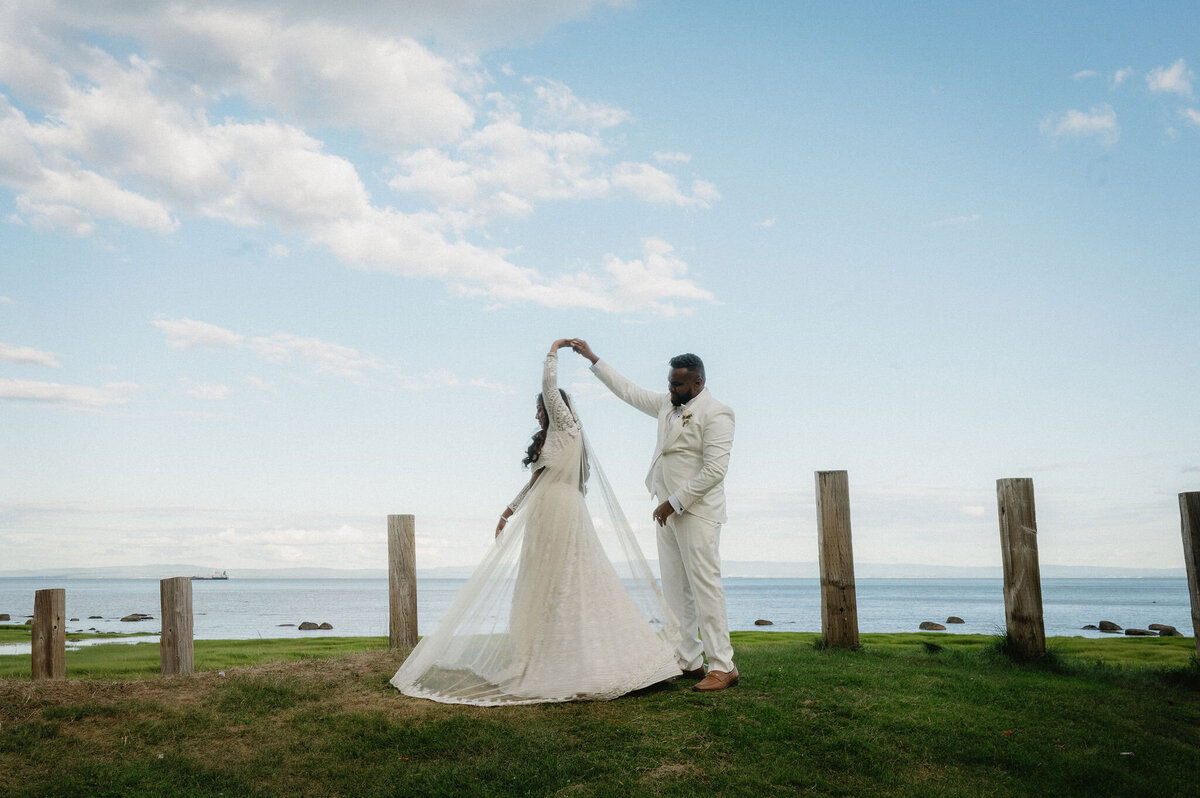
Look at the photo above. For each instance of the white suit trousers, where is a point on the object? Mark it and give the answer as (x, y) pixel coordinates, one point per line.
(689, 560)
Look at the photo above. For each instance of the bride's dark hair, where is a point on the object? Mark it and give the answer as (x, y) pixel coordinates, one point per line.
(539, 438)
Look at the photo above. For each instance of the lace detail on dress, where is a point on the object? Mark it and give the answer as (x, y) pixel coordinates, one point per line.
(515, 504)
(564, 427)
(561, 417)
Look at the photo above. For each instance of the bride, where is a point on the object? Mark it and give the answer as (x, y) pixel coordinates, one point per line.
(548, 615)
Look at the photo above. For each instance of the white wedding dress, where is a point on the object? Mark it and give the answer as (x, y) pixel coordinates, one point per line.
(549, 615)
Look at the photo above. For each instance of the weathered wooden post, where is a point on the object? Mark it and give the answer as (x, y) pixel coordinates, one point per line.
(1022, 575)
(175, 648)
(49, 634)
(839, 602)
(402, 582)
(1189, 511)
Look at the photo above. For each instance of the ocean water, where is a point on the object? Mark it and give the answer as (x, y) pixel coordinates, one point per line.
(268, 608)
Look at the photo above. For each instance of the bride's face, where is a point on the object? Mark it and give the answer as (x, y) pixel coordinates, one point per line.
(541, 414)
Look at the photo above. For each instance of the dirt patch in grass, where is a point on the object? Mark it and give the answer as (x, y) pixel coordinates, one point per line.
(351, 683)
(675, 771)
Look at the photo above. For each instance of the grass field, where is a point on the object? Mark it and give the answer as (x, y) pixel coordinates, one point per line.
(920, 714)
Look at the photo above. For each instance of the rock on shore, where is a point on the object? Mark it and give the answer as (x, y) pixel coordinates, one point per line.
(1109, 626)
(930, 626)
(954, 619)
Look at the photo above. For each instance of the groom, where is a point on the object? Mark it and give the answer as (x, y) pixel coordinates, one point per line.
(687, 474)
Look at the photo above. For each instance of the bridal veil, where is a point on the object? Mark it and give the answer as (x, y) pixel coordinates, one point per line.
(563, 607)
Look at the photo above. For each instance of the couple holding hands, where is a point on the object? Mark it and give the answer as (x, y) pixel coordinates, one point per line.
(564, 607)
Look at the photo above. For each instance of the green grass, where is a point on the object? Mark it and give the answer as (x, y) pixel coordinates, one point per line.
(896, 718)
(141, 660)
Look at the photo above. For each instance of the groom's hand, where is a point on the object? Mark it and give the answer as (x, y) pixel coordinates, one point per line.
(581, 347)
(662, 512)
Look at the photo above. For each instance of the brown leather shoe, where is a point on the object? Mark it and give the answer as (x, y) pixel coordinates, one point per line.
(717, 680)
(698, 673)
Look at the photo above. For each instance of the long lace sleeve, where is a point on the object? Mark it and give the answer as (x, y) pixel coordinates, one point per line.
(560, 415)
(516, 503)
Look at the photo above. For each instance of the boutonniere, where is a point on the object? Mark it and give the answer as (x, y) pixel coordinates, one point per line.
(686, 418)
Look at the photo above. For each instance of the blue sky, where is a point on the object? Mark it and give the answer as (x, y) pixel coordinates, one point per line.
(270, 272)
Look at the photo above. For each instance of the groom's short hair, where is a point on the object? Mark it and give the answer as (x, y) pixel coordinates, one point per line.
(690, 362)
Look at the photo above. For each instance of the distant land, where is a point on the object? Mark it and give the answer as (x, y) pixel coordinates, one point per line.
(731, 569)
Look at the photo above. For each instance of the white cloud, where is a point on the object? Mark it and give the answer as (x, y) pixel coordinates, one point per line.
(1175, 79)
(1192, 115)
(665, 156)
(561, 108)
(766, 223)
(71, 199)
(204, 391)
(705, 191)
(282, 177)
(443, 378)
(5, 300)
(447, 182)
(113, 393)
(1120, 76)
(1100, 122)
(1084, 74)
(956, 220)
(311, 67)
(658, 275)
(278, 251)
(27, 356)
(131, 139)
(651, 184)
(322, 356)
(538, 164)
(189, 333)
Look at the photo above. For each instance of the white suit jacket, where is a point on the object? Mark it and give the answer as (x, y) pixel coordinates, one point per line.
(692, 454)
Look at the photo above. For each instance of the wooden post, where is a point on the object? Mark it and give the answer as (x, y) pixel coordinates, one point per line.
(1022, 575)
(175, 642)
(49, 634)
(402, 582)
(1189, 511)
(839, 602)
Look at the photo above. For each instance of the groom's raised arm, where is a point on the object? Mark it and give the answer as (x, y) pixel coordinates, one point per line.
(648, 402)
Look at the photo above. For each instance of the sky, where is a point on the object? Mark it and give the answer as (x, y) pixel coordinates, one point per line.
(272, 271)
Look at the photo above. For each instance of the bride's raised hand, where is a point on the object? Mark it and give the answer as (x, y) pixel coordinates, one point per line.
(581, 347)
(559, 344)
